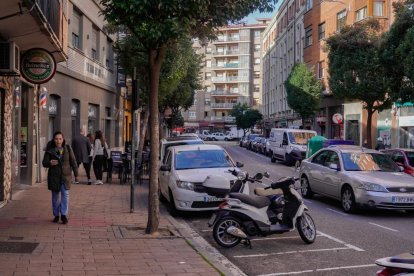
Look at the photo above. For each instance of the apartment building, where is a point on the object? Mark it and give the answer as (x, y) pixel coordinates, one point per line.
(24, 25)
(81, 95)
(283, 43)
(231, 74)
(322, 19)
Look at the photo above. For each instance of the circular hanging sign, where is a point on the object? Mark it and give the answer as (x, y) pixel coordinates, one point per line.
(337, 118)
(38, 66)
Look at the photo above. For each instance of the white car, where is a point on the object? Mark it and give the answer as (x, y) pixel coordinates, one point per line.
(184, 171)
(218, 136)
(176, 141)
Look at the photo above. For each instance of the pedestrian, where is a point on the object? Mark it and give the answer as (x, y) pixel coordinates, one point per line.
(380, 144)
(60, 161)
(99, 149)
(82, 149)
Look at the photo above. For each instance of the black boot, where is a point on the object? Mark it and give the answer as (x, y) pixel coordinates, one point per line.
(56, 219)
(64, 219)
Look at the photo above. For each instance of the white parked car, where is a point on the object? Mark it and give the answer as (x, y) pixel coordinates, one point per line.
(177, 141)
(219, 136)
(184, 171)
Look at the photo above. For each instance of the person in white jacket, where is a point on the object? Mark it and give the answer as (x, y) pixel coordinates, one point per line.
(99, 149)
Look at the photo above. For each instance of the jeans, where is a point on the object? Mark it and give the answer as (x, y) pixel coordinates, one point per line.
(62, 207)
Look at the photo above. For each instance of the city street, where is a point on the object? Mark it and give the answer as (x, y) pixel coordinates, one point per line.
(347, 244)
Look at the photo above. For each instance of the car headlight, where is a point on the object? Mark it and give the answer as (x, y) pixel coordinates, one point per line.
(373, 187)
(185, 185)
(241, 175)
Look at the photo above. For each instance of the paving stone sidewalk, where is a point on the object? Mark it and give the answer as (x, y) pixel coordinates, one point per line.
(102, 237)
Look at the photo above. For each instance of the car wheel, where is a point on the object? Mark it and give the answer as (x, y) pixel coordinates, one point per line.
(305, 187)
(225, 139)
(171, 206)
(348, 200)
(272, 158)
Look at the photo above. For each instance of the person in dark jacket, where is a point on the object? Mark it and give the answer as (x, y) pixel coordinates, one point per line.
(60, 161)
(380, 144)
(82, 149)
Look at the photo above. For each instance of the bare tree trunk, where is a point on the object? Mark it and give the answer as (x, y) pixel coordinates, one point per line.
(142, 136)
(369, 126)
(156, 57)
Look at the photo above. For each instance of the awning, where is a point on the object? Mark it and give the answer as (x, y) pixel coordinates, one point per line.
(406, 104)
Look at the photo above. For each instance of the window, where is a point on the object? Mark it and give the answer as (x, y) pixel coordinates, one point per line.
(257, 75)
(361, 14)
(95, 43)
(76, 29)
(257, 61)
(93, 116)
(208, 75)
(109, 54)
(207, 102)
(332, 158)
(256, 88)
(308, 36)
(321, 157)
(256, 33)
(191, 114)
(340, 20)
(208, 63)
(379, 8)
(321, 72)
(309, 4)
(257, 47)
(208, 50)
(321, 31)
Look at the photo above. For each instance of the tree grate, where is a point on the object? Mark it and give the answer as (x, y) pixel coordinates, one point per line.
(17, 247)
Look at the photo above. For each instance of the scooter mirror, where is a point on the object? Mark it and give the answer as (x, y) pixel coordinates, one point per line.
(266, 174)
(258, 176)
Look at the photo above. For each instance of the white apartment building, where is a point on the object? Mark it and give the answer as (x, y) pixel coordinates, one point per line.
(231, 74)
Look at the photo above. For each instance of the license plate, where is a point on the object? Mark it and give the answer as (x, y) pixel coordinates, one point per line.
(402, 199)
(212, 198)
(212, 219)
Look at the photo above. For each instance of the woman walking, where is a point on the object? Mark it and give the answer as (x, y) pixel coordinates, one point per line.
(99, 148)
(61, 161)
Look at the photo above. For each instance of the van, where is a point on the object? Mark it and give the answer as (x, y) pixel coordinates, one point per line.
(288, 145)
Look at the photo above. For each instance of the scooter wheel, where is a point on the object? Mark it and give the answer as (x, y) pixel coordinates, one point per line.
(306, 228)
(220, 235)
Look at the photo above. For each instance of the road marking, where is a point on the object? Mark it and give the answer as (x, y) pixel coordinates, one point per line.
(291, 252)
(383, 227)
(319, 269)
(350, 246)
(337, 212)
(278, 238)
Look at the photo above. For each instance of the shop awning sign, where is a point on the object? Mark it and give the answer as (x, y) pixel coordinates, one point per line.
(38, 66)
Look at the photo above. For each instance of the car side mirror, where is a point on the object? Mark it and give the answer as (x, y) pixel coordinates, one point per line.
(239, 165)
(334, 167)
(165, 168)
(401, 168)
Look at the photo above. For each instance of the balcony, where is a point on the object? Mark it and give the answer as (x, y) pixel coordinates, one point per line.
(222, 105)
(227, 119)
(230, 79)
(224, 93)
(227, 53)
(39, 24)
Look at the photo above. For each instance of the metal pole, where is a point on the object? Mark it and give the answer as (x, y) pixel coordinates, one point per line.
(39, 168)
(134, 138)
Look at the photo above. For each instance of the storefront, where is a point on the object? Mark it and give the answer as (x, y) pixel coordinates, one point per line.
(406, 125)
(352, 124)
(384, 127)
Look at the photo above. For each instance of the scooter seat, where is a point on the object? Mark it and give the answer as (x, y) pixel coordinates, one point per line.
(256, 201)
(267, 192)
(405, 258)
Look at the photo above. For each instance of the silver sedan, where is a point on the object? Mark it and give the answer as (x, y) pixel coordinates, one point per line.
(358, 177)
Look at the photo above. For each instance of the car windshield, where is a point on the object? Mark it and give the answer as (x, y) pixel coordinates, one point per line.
(410, 157)
(300, 138)
(362, 161)
(198, 159)
(252, 137)
(181, 143)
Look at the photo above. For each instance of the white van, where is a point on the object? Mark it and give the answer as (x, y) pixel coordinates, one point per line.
(289, 145)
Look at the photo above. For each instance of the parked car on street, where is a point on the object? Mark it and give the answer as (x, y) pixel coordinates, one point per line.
(248, 142)
(357, 177)
(255, 144)
(203, 134)
(177, 141)
(184, 171)
(218, 136)
(403, 157)
(261, 146)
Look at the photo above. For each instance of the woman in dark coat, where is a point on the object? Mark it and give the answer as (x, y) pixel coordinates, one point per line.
(61, 161)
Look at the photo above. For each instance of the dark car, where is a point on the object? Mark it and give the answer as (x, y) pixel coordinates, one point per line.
(250, 139)
(261, 146)
(256, 144)
(403, 158)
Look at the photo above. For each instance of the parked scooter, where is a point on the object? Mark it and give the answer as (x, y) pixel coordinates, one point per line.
(402, 264)
(276, 209)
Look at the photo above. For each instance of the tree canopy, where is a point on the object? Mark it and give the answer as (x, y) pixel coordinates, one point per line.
(355, 70)
(303, 91)
(246, 117)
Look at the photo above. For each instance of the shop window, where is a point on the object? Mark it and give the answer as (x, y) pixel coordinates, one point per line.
(54, 115)
(93, 116)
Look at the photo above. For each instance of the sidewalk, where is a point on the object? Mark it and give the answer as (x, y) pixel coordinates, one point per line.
(101, 238)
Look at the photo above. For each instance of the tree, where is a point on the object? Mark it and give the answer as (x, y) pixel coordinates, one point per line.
(355, 69)
(397, 52)
(303, 91)
(246, 117)
(158, 25)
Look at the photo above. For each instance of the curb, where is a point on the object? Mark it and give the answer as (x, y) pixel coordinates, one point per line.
(211, 254)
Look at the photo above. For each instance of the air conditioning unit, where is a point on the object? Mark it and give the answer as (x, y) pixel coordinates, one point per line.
(9, 58)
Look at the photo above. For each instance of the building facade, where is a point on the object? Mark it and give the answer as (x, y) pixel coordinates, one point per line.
(231, 74)
(81, 95)
(283, 43)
